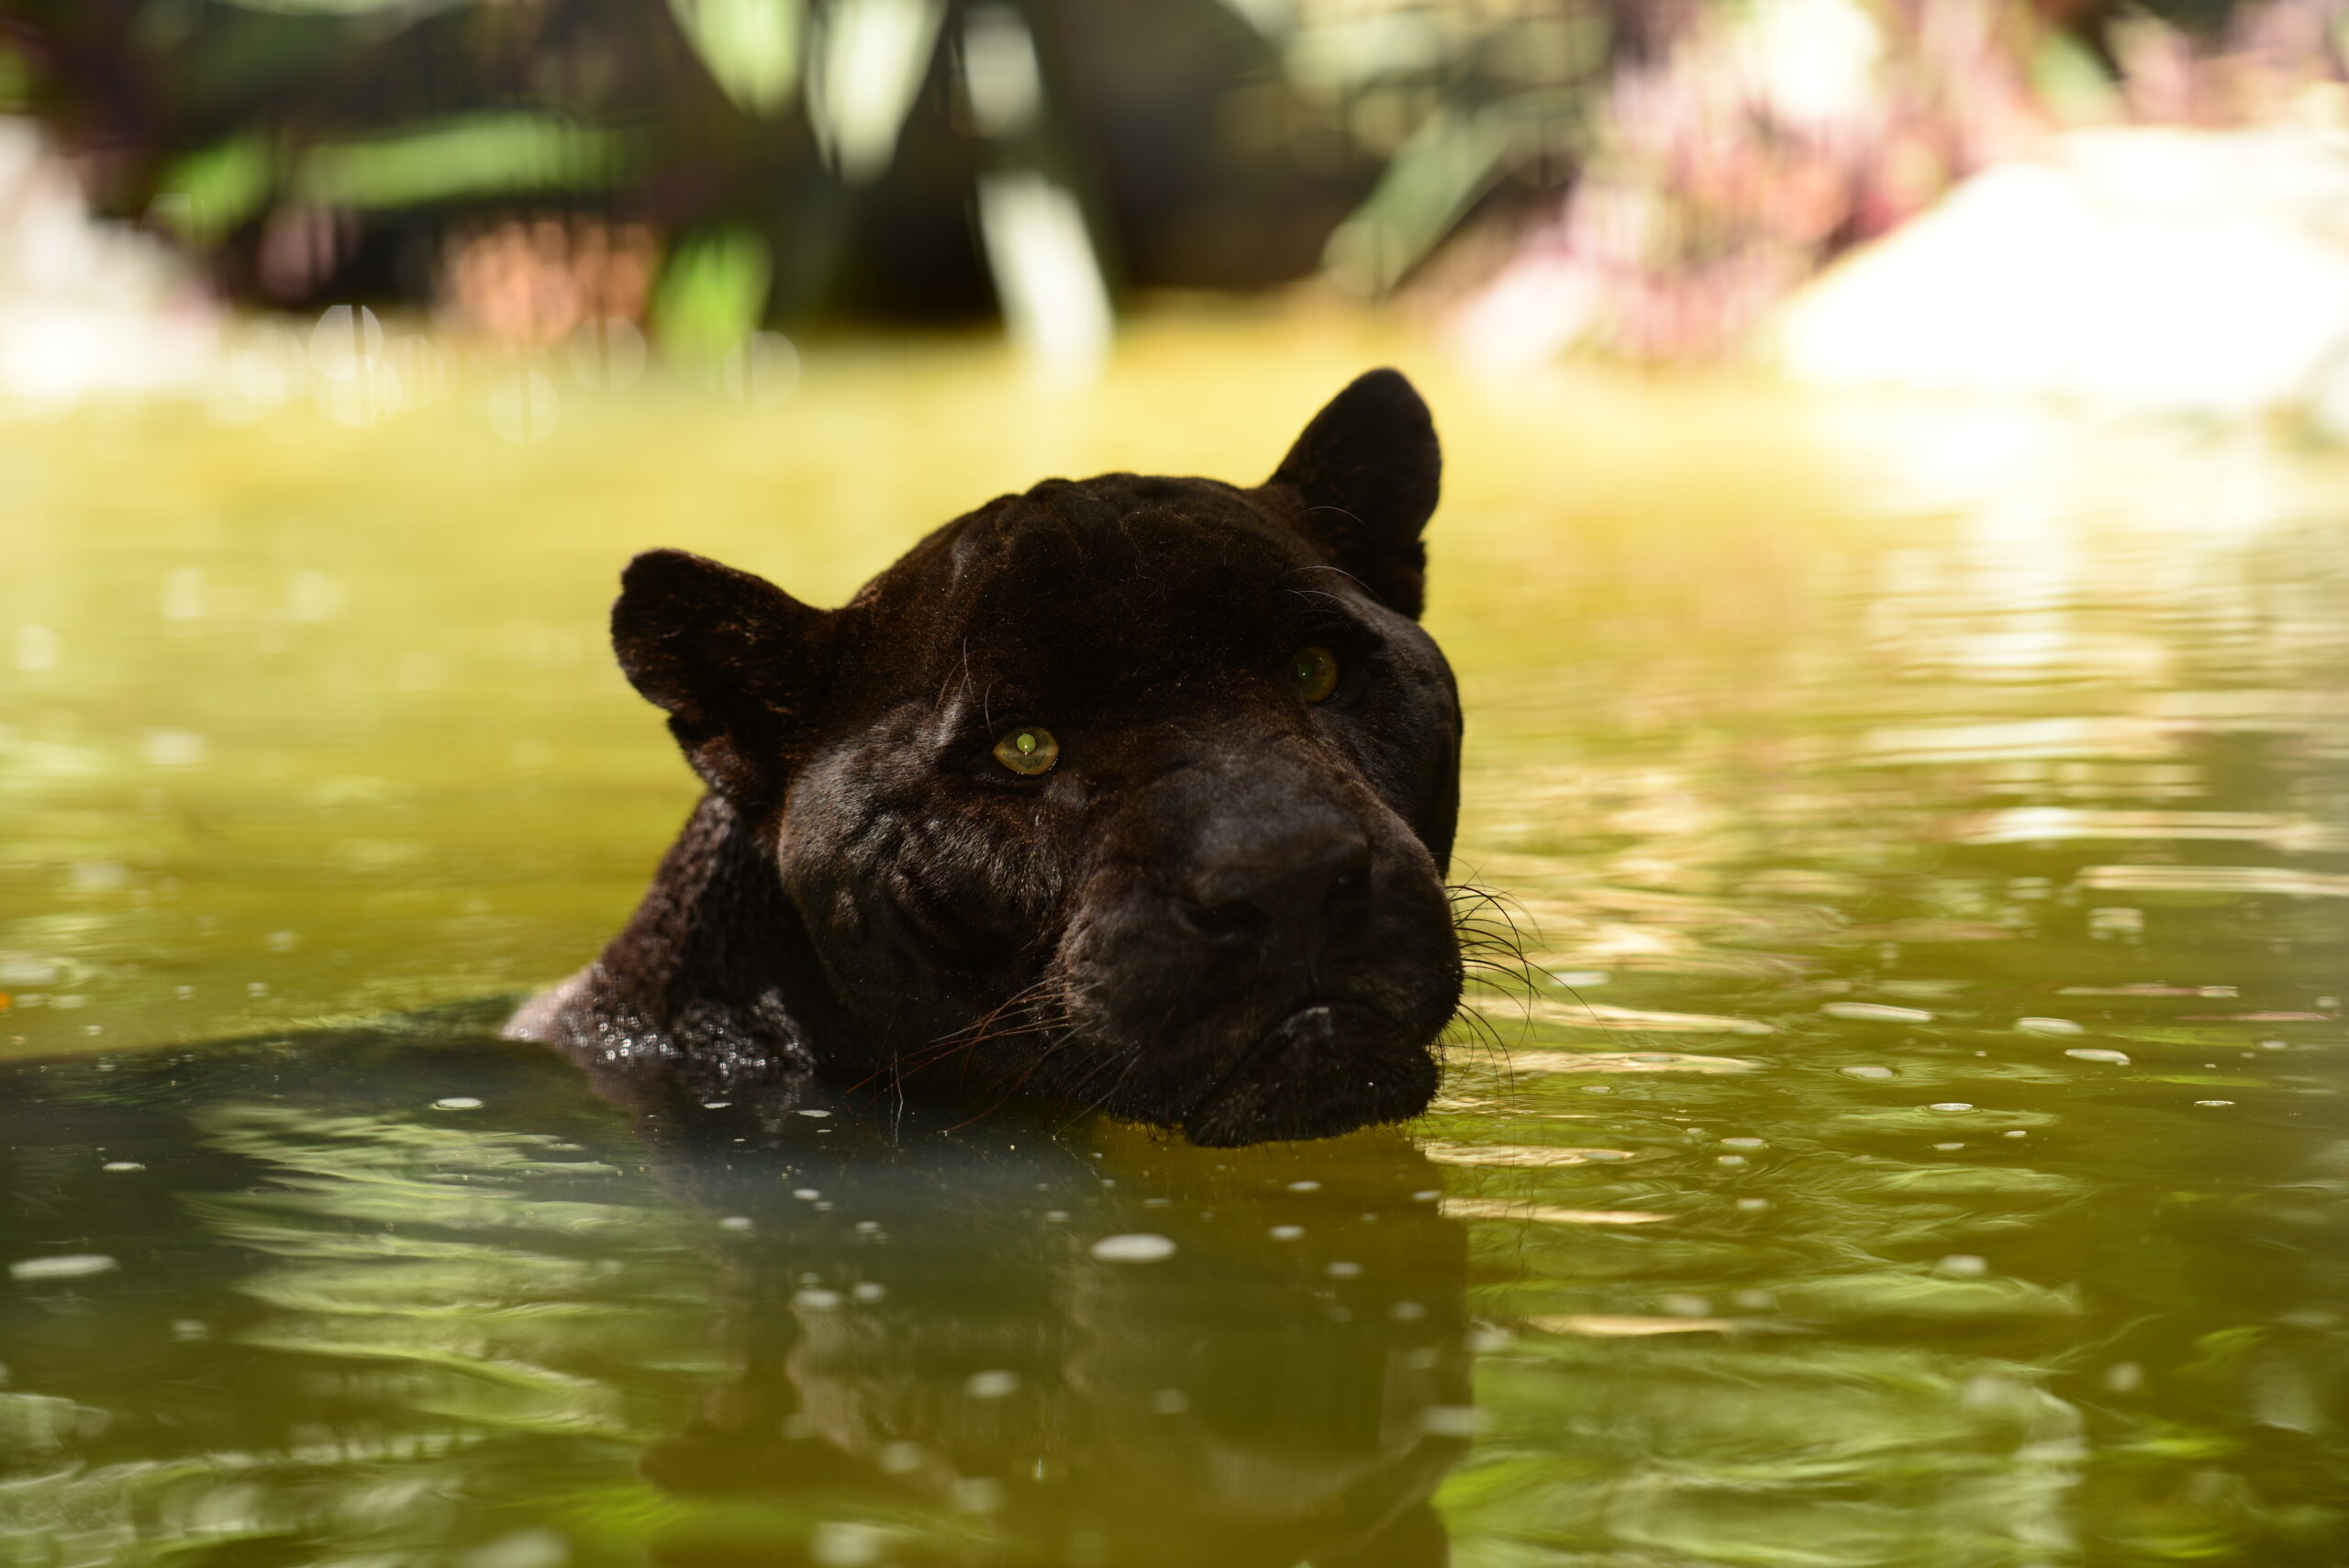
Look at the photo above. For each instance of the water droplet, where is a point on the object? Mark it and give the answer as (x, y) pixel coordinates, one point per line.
(1136, 1247)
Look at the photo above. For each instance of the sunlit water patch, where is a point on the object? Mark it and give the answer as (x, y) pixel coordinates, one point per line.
(1902, 1122)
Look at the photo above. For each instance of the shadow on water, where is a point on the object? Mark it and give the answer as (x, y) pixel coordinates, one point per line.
(266, 1314)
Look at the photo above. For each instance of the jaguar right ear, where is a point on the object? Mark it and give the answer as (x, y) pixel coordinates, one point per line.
(1362, 481)
(737, 663)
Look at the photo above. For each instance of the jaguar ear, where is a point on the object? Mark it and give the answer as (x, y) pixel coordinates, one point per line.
(1360, 483)
(737, 662)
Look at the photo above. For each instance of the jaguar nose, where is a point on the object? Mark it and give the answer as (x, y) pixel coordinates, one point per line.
(1292, 891)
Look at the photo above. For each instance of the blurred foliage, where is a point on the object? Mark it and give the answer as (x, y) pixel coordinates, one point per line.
(1659, 173)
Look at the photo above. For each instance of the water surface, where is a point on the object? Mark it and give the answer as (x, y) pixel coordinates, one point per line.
(1914, 1136)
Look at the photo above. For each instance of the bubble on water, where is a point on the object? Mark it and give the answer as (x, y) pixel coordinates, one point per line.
(457, 1103)
(1304, 1186)
(1950, 1105)
(2275, 1045)
(280, 941)
(1057, 1216)
(2048, 1026)
(1343, 1271)
(1875, 1012)
(122, 1165)
(69, 1265)
(1169, 1402)
(1285, 1232)
(1599, 1088)
(2123, 1377)
(1746, 1142)
(1135, 1247)
(2014, 1132)
(1406, 1312)
(805, 1194)
(2097, 1053)
(1427, 1194)
(1949, 1148)
(816, 1115)
(716, 1104)
(1869, 1072)
(1732, 1160)
(1753, 1203)
(1580, 978)
(190, 1328)
(815, 1298)
(868, 1228)
(868, 1292)
(1962, 1266)
(735, 1222)
(2214, 1102)
(901, 1458)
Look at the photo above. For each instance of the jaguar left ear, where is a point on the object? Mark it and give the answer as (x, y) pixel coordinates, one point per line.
(1360, 483)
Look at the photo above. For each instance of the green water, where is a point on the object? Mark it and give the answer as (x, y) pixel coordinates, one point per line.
(1921, 1143)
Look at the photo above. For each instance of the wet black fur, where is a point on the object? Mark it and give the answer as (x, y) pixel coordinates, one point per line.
(1223, 911)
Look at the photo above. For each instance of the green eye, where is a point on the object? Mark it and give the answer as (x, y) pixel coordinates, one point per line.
(1028, 751)
(1316, 671)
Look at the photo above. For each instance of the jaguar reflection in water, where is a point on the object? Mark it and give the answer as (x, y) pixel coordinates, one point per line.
(1132, 794)
(484, 1322)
